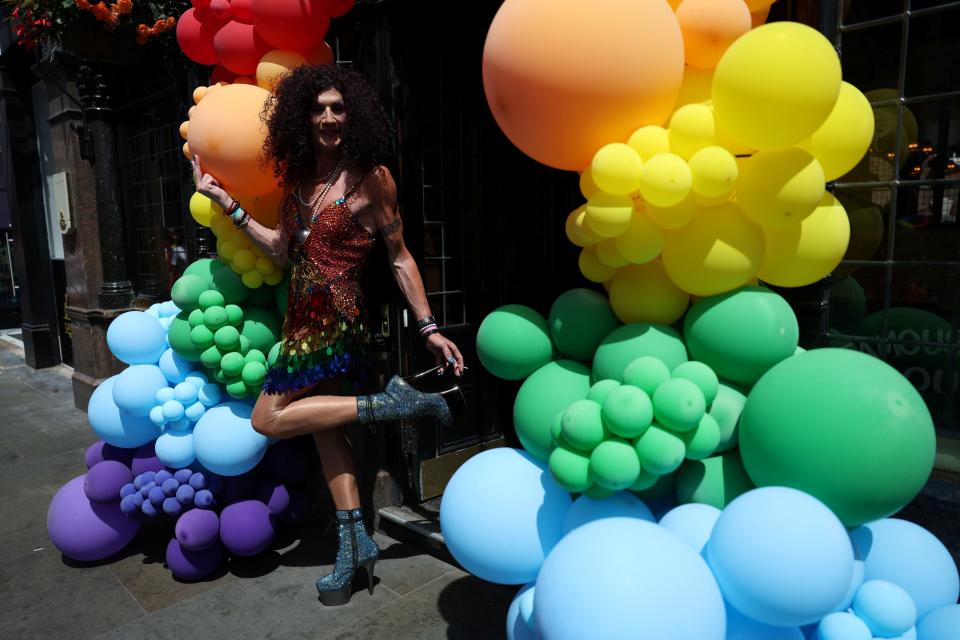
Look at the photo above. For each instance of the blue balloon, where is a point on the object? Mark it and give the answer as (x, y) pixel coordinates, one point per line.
(175, 368)
(520, 615)
(908, 555)
(627, 578)
(940, 624)
(153, 311)
(164, 394)
(168, 308)
(135, 390)
(225, 441)
(175, 448)
(781, 556)
(114, 426)
(855, 581)
(179, 425)
(209, 394)
(620, 504)
(197, 379)
(842, 625)
(886, 608)
(172, 410)
(136, 337)
(693, 523)
(740, 627)
(156, 416)
(501, 514)
(909, 634)
(194, 411)
(185, 393)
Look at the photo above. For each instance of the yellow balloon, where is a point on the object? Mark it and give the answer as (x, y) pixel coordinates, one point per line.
(609, 254)
(252, 279)
(244, 259)
(226, 249)
(803, 253)
(665, 180)
(776, 85)
(779, 187)
(184, 127)
(203, 209)
(675, 216)
(608, 215)
(274, 277)
(645, 293)
(265, 265)
(276, 64)
(695, 86)
(725, 140)
(642, 241)
(846, 135)
(718, 251)
(186, 151)
(714, 171)
(587, 186)
(578, 232)
(616, 169)
(591, 267)
(649, 141)
(691, 128)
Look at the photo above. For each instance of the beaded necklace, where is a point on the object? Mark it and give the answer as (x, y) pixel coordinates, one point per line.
(304, 231)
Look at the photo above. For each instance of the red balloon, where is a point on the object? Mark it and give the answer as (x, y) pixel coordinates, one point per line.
(221, 74)
(200, 5)
(241, 11)
(294, 25)
(239, 47)
(215, 13)
(340, 7)
(196, 39)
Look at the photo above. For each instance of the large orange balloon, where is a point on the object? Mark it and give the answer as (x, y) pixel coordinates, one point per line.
(563, 80)
(225, 130)
(709, 27)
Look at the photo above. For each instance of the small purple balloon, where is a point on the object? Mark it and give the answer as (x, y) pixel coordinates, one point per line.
(183, 475)
(157, 496)
(246, 528)
(198, 529)
(105, 479)
(287, 461)
(185, 494)
(300, 506)
(148, 509)
(146, 489)
(162, 476)
(273, 494)
(193, 565)
(145, 459)
(129, 504)
(100, 451)
(172, 507)
(203, 499)
(198, 481)
(85, 530)
(170, 486)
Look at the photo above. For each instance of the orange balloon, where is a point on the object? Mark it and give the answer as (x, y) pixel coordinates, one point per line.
(709, 27)
(759, 16)
(276, 64)
(264, 208)
(557, 104)
(228, 135)
(320, 55)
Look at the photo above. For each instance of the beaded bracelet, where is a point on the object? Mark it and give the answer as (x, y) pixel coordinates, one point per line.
(429, 331)
(232, 208)
(426, 320)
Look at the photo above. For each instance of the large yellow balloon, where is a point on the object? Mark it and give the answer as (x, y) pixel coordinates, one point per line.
(644, 293)
(695, 86)
(610, 255)
(776, 85)
(692, 128)
(203, 209)
(801, 254)
(665, 180)
(276, 64)
(675, 216)
(846, 135)
(779, 187)
(642, 241)
(591, 267)
(709, 27)
(608, 215)
(718, 251)
(587, 186)
(577, 232)
(616, 169)
(714, 171)
(649, 141)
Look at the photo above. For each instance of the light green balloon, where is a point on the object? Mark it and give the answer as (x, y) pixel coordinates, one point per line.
(179, 337)
(702, 442)
(716, 481)
(227, 338)
(571, 469)
(726, 409)
(556, 431)
(255, 355)
(647, 373)
(204, 268)
(186, 292)
(261, 327)
(624, 345)
(273, 354)
(548, 390)
(579, 319)
(645, 481)
(600, 390)
(664, 485)
(741, 334)
(513, 342)
(700, 375)
(201, 337)
(627, 411)
(614, 464)
(244, 347)
(235, 315)
(660, 451)
(253, 373)
(214, 317)
(582, 426)
(678, 405)
(218, 375)
(210, 298)
(195, 318)
(844, 427)
(211, 357)
(228, 283)
(236, 388)
(232, 364)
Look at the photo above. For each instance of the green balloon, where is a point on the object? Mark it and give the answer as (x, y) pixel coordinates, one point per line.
(513, 342)
(215, 317)
(211, 298)
(244, 347)
(549, 389)
(741, 334)
(716, 481)
(220, 376)
(659, 450)
(234, 315)
(702, 442)
(614, 464)
(281, 294)
(273, 354)
(571, 469)
(255, 355)
(230, 285)
(596, 492)
(263, 296)
(237, 389)
(665, 485)
(254, 390)
(700, 375)
(254, 373)
(179, 337)
(647, 373)
(556, 431)
(843, 426)
(726, 409)
(227, 338)
(579, 319)
(204, 268)
(262, 327)
(848, 304)
(195, 318)
(645, 481)
(627, 411)
(232, 364)
(600, 390)
(582, 426)
(629, 342)
(201, 337)
(186, 292)
(211, 357)
(678, 404)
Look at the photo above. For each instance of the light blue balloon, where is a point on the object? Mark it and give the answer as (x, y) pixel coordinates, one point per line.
(194, 411)
(501, 514)
(886, 608)
(157, 417)
(185, 393)
(114, 426)
(620, 504)
(781, 556)
(136, 337)
(197, 378)
(135, 390)
(940, 624)
(181, 424)
(693, 523)
(855, 581)
(168, 309)
(172, 410)
(164, 394)
(908, 555)
(909, 634)
(225, 441)
(626, 578)
(175, 448)
(520, 615)
(153, 311)
(175, 369)
(740, 627)
(842, 625)
(209, 394)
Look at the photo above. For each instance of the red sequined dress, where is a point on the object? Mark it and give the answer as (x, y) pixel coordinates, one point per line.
(324, 335)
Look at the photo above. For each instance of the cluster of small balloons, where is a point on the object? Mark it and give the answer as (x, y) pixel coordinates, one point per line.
(154, 492)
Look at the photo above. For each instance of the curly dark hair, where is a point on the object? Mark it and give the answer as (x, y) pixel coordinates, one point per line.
(368, 136)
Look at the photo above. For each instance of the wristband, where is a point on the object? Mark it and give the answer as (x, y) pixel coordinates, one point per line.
(232, 209)
(424, 321)
(429, 331)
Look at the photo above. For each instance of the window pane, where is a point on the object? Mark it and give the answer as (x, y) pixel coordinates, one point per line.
(869, 214)
(931, 295)
(932, 53)
(863, 10)
(931, 136)
(927, 224)
(871, 57)
(856, 293)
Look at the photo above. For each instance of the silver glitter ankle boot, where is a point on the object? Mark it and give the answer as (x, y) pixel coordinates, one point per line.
(401, 401)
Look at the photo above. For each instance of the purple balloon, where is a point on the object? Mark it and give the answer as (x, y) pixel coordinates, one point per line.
(131, 504)
(198, 481)
(286, 461)
(183, 475)
(237, 488)
(300, 506)
(85, 530)
(197, 529)
(100, 451)
(105, 479)
(185, 494)
(273, 494)
(172, 507)
(193, 565)
(148, 509)
(246, 528)
(203, 499)
(157, 496)
(145, 459)
(170, 486)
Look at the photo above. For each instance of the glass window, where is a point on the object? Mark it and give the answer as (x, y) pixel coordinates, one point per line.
(932, 53)
(871, 57)
(869, 212)
(927, 229)
(864, 10)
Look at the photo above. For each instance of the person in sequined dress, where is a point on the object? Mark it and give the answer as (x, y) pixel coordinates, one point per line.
(328, 138)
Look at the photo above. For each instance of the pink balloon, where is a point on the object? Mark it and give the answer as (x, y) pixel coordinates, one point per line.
(239, 47)
(196, 39)
(294, 25)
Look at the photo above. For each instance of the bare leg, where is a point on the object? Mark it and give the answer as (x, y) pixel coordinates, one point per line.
(336, 456)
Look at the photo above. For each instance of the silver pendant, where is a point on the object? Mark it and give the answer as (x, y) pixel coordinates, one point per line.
(301, 235)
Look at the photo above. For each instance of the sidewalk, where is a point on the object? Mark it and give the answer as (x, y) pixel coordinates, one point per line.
(44, 595)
